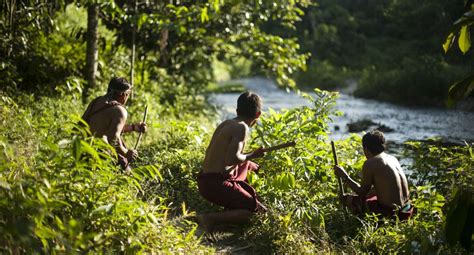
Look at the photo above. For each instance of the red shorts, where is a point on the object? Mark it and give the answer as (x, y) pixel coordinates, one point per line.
(230, 191)
(370, 204)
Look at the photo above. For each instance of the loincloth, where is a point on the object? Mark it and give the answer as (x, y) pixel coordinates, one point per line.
(232, 191)
(370, 204)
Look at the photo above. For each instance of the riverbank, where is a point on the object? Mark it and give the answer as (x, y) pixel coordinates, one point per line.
(406, 123)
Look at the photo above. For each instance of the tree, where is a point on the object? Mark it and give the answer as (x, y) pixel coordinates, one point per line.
(461, 32)
(184, 38)
(22, 23)
(92, 53)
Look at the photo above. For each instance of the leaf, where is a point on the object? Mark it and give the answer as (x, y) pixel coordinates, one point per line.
(464, 40)
(216, 5)
(457, 216)
(106, 208)
(142, 20)
(291, 180)
(204, 16)
(460, 90)
(448, 43)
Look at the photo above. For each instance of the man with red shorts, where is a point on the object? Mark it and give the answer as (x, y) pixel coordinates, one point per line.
(389, 196)
(223, 179)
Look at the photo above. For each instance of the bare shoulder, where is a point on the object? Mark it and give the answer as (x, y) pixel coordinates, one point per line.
(239, 128)
(372, 163)
(388, 159)
(119, 111)
(234, 128)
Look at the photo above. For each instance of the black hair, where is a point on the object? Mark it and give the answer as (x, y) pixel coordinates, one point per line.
(118, 85)
(248, 105)
(374, 141)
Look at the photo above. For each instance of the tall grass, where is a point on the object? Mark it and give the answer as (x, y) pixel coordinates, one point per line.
(61, 191)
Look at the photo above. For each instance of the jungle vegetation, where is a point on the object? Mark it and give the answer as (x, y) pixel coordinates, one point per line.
(61, 191)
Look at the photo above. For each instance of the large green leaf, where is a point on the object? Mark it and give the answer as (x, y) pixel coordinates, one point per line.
(448, 43)
(464, 40)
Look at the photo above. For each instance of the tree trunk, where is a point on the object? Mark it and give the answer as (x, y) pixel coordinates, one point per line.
(132, 57)
(92, 53)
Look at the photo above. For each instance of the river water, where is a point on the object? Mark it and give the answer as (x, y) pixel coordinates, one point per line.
(408, 123)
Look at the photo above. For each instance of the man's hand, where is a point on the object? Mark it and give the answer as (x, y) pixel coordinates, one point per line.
(258, 153)
(131, 155)
(339, 172)
(140, 127)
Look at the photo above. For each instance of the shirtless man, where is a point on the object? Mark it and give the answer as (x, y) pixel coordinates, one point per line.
(384, 173)
(107, 116)
(222, 180)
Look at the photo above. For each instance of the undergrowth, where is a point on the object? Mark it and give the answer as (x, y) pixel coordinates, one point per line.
(61, 191)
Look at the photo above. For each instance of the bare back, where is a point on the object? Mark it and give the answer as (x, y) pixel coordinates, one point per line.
(228, 139)
(105, 120)
(386, 175)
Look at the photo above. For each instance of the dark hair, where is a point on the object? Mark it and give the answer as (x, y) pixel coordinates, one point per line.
(248, 105)
(118, 85)
(374, 141)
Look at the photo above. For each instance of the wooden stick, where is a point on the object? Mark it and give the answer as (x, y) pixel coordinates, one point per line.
(140, 135)
(279, 146)
(341, 188)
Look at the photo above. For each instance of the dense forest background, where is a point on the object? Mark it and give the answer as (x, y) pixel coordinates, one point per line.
(60, 188)
(387, 50)
(392, 49)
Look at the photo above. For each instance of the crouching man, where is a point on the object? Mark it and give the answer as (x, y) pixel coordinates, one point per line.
(107, 116)
(223, 179)
(389, 196)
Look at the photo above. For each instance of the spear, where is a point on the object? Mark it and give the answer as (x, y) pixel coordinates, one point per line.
(279, 146)
(341, 188)
(141, 133)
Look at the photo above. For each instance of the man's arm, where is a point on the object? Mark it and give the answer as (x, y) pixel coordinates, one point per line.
(137, 127)
(361, 189)
(117, 124)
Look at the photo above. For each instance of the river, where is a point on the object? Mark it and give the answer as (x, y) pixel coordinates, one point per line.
(408, 123)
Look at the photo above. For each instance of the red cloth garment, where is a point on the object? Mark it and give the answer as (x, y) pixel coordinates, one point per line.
(358, 205)
(231, 190)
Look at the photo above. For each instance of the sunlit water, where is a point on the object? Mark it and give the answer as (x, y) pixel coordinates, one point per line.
(407, 123)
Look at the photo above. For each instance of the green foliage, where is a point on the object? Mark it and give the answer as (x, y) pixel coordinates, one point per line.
(461, 31)
(324, 75)
(54, 56)
(449, 170)
(443, 167)
(61, 191)
(391, 48)
(185, 38)
(299, 188)
(297, 184)
(226, 88)
(459, 224)
(415, 81)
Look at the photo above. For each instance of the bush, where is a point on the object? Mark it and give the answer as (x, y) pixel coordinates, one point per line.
(61, 191)
(416, 81)
(323, 75)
